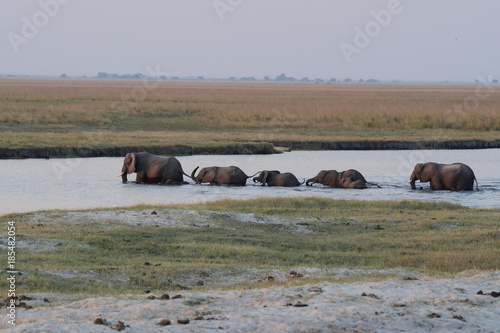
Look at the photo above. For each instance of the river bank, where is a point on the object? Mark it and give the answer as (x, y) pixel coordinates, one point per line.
(245, 148)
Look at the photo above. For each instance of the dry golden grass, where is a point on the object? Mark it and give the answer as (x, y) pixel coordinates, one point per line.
(219, 111)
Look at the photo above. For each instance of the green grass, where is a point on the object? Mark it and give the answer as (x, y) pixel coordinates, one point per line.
(110, 258)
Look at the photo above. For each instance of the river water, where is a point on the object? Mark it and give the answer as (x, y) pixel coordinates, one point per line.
(29, 185)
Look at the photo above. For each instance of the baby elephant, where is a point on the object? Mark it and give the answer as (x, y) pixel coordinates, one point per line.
(351, 182)
(231, 175)
(346, 179)
(276, 178)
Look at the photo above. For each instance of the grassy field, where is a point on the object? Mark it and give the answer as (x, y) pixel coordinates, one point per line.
(70, 253)
(106, 113)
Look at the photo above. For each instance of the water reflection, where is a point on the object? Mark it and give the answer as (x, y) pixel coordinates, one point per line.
(29, 185)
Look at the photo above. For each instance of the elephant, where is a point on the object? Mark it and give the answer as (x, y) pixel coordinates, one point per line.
(231, 175)
(453, 177)
(351, 182)
(334, 179)
(276, 178)
(153, 169)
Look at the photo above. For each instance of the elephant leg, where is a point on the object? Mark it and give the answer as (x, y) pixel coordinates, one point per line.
(358, 184)
(140, 177)
(454, 186)
(436, 184)
(469, 185)
(465, 184)
(174, 182)
(170, 180)
(166, 181)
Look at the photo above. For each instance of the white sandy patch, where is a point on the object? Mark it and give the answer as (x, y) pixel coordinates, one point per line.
(160, 217)
(41, 244)
(396, 305)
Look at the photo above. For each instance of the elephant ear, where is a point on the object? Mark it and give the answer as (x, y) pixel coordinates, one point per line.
(265, 176)
(427, 171)
(338, 179)
(416, 172)
(130, 161)
(209, 175)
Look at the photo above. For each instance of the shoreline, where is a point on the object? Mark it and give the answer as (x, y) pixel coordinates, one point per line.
(257, 148)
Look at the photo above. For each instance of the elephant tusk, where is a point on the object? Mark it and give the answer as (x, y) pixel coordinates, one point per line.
(121, 174)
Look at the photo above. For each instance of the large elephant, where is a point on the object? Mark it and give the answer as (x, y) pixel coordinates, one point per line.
(153, 169)
(276, 178)
(335, 179)
(231, 175)
(453, 177)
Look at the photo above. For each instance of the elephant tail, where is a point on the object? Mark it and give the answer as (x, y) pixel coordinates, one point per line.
(255, 174)
(477, 185)
(185, 174)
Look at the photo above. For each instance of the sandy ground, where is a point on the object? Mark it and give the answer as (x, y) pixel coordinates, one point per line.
(398, 305)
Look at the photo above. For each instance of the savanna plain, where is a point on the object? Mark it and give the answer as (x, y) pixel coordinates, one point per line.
(269, 264)
(105, 113)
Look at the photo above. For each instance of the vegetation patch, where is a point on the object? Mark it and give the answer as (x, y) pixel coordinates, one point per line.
(242, 243)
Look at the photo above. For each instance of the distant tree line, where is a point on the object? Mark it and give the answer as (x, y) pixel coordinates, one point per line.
(136, 76)
(278, 78)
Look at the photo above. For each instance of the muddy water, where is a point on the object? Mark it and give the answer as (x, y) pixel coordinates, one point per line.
(28, 185)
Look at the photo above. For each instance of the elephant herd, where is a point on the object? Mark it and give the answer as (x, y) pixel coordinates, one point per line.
(154, 169)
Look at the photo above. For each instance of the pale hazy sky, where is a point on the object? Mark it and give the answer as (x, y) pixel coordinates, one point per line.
(419, 40)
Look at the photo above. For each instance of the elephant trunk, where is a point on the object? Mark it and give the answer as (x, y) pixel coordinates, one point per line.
(124, 174)
(309, 181)
(255, 179)
(413, 178)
